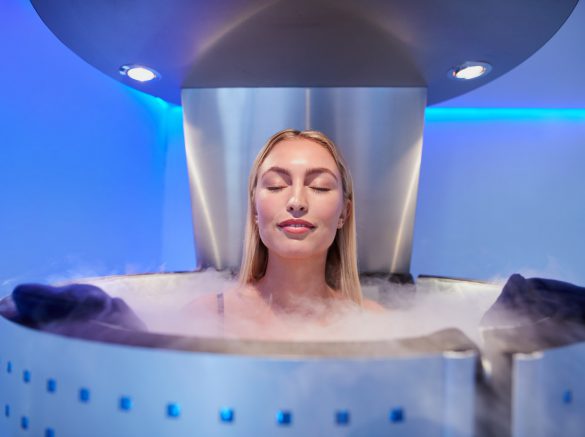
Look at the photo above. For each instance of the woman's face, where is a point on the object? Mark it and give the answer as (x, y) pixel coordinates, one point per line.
(299, 181)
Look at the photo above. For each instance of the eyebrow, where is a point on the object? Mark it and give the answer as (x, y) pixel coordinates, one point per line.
(309, 171)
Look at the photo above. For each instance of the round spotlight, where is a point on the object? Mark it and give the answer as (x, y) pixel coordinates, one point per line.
(470, 70)
(139, 73)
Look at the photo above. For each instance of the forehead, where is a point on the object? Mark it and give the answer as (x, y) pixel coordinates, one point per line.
(298, 153)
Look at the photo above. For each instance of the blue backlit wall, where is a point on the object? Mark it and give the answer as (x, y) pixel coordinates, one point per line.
(83, 164)
(502, 191)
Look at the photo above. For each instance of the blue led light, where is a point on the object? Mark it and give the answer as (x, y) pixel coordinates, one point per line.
(396, 415)
(9, 367)
(173, 410)
(490, 114)
(226, 415)
(284, 417)
(51, 385)
(7, 410)
(24, 422)
(84, 395)
(342, 417)
(126, 403)
(568, 396)
(26, 376)
(49, 432)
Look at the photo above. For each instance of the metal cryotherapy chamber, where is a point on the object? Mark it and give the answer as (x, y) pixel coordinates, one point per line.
(103, 380)
(363, 73)
(129, 383)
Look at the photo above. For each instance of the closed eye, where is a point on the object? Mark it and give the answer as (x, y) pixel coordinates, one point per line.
(317, 189)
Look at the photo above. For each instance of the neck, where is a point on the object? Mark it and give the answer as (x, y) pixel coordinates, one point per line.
(288, 283)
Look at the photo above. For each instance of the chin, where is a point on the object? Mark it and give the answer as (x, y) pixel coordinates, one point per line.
(297, 252)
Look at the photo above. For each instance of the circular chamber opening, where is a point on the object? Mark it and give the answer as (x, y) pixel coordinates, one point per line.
(430, 316)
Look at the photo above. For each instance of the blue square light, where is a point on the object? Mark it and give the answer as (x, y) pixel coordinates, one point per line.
(51, 385)
(567, 396)
(84, 395)
(26, 376)
(126, 403)
(173, 410)
(24, 422)
(396, 415)
(9, 367)
(284, 417)
(49, 432)
(342, 417)
(7, 410)
(226, 415)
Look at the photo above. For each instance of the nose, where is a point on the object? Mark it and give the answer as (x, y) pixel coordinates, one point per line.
(297, 202)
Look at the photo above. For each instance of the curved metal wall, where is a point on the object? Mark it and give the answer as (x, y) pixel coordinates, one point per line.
(379, 131)
(56, 386)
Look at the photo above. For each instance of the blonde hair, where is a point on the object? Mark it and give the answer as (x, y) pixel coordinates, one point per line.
(341, 271)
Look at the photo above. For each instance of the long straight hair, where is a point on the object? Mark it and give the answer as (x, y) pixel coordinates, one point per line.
(341, 272)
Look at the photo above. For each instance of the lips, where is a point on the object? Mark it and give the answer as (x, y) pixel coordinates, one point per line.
(296, 223)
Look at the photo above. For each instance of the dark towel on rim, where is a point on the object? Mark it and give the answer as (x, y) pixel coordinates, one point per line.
(535, 299)
(39, 305)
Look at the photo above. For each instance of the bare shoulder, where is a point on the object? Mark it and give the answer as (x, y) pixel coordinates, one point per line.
(208, 302)
(203, 303)
(373, 306)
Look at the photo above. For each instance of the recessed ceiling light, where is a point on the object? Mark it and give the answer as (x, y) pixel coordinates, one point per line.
(139, 73)
(469, 70)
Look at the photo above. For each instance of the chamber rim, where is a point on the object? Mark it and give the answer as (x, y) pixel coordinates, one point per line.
(437, 343)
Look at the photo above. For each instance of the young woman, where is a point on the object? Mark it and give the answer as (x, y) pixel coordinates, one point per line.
(299, 259)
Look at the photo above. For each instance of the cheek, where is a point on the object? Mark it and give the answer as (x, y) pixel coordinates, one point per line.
(265, 208)
(331, 211)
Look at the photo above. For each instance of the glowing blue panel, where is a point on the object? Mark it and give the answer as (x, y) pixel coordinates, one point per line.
(7, 410)
(51, 385)
(488, 114)
(26, 376)
(9, 367)
(84, 395)
(126, 403)
(342, 417)
(396, 415)
(24, 422)
(568, 397)
(173, 410)
(226, 415)
(49, 432)
(284, 418)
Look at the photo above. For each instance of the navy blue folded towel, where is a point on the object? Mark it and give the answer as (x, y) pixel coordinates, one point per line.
(38, 305)
(534, 299)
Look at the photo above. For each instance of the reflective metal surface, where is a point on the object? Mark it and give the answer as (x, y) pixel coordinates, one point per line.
(304, 43)
(379, 131)
(547, 393)
(144, 384)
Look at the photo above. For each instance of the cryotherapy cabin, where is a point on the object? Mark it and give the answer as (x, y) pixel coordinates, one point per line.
(363, 73)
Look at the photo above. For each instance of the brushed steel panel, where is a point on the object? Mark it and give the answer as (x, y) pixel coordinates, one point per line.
(379, 131)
